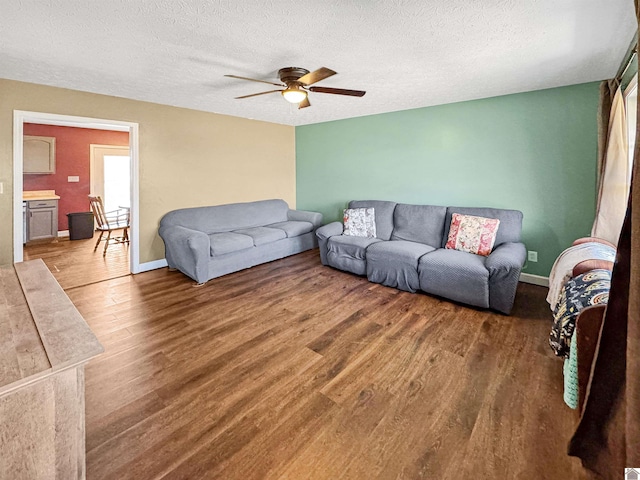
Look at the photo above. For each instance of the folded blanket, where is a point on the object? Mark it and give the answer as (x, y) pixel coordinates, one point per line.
(591, 288)
(563, 266)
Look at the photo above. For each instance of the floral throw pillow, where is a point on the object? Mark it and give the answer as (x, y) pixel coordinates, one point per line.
(472, 234)
(360, 222)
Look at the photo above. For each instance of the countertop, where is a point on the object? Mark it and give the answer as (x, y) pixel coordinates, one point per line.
(39, 195)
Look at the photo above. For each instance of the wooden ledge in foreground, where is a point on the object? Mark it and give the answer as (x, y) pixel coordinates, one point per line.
(44, 344)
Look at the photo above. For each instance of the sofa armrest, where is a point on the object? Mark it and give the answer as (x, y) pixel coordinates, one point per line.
(329, 230)
(301, 215)
(504, 265)
(505, 257)
(187, 250)
(324, 233)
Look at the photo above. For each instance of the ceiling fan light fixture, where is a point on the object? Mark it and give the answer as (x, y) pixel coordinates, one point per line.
(294, 94)
(297, 83)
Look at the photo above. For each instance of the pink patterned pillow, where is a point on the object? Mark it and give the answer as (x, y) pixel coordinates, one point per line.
(472, 234)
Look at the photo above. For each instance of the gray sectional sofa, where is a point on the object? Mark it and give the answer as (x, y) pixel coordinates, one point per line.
(408, 253)
(208, 242)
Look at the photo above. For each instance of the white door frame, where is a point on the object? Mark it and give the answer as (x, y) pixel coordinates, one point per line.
(20, 117)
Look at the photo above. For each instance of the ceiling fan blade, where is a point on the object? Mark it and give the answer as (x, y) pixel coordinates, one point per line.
(317, 75)
(255, 80)
(304, 103)
(256, 94)
(338, 91)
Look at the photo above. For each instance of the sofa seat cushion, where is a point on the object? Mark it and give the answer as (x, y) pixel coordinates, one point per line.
(350, 246)
(395, 263)
(228, 242)
(293, 228)
(262, 235)
(460, 276)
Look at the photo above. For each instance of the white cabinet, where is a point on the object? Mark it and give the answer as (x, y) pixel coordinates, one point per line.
(38, 154)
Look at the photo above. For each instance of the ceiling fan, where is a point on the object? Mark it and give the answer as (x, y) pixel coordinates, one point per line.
(297, 83)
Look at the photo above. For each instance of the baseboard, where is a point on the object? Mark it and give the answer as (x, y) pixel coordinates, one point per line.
(63, 233)
(534, 279)
(145, 267)
(524, 277)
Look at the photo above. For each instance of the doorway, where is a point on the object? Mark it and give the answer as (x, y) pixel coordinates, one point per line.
(110, 167)
(127, 159)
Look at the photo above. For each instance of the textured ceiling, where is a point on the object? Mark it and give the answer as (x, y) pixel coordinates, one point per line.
(404, 53)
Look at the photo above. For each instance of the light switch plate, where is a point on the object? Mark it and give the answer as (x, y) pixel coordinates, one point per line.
(72, 179)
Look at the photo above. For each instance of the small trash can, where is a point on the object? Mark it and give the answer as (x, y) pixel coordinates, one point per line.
(80, 225)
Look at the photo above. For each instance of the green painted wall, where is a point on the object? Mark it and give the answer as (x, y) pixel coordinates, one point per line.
(534, 152)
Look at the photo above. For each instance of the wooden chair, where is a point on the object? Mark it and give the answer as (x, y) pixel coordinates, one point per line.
(108, 222)
(587, 330)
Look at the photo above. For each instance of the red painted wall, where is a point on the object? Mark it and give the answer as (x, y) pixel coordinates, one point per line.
(72, 159)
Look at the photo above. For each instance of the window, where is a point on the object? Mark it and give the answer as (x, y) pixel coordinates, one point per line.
(116, 182)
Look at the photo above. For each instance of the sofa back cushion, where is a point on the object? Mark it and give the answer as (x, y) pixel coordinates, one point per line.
(225, 218)
(510, 222)
(419, 223)
(383, 213)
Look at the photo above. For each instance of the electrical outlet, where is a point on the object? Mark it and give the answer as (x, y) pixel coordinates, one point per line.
(73, 178)
(533, 256)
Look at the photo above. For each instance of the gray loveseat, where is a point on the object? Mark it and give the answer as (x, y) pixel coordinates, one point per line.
(408, 253)
(208, 242)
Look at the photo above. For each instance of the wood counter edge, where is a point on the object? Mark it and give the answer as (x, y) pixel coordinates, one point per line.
(67, 338)
(36, 377)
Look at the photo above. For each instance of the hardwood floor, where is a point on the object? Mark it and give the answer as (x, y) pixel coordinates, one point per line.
(295, 370)
(74, 263)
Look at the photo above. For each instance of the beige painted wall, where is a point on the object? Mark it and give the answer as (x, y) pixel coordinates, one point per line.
(187, 157)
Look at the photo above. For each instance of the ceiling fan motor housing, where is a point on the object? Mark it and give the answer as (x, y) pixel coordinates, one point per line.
(291, 74)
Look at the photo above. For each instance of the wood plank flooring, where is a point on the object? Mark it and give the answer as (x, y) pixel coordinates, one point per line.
(74, 263)
(293, 370)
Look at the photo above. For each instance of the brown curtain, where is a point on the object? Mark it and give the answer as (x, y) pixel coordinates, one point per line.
(607, 438)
